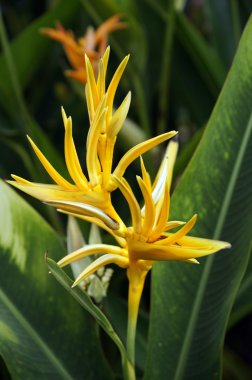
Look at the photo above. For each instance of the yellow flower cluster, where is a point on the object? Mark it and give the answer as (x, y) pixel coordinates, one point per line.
(148, 238)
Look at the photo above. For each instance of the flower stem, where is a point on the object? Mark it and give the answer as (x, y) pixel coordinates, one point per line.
(136, 283)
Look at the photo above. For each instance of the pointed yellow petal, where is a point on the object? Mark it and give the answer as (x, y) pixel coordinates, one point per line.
(114, 83)
(159, 188)
(119, 117)
(171, 152)
(170, 156)
(91, 82)
(90, 250)
(43, 191)
(101, 80)
(100, 262)
(50, 169)
(145, 175)
(21, 180)
(173, 224)
(139, 149)
(158, 252)
(107, 160)
(90, 104)
(117, 234)
(201, 243)
(191, 261)
(82, 208)
(132, 202)
(72, 161)
(92, 161)
(149, 210)
(105, 59)
(163, 213)
(173, 238)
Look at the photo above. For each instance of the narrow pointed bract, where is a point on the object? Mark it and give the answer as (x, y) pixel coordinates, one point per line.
(148, 239)
(91, 190)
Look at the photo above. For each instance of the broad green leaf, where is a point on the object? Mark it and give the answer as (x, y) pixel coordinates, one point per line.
(85, 301)
(44, 333)
(191, 304)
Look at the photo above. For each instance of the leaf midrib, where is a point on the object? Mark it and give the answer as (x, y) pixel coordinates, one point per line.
(34, 335)
(207, 268)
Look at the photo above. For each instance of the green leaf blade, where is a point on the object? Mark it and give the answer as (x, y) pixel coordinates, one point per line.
(41, 325)
(191, 305)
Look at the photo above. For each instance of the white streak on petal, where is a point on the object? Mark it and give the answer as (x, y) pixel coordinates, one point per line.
(83, 208)
(160, 185)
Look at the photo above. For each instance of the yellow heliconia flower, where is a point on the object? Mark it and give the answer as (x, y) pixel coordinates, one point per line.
(93, 44)
(148, 239)
(90, 195)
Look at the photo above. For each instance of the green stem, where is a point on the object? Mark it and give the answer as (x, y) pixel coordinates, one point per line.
(166, 68)
(136, 276)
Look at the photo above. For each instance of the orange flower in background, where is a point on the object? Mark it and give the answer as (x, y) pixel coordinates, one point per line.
(93, 44)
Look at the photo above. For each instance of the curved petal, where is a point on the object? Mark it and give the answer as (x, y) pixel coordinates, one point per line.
(100, 262)
(157, 252)
(149, 210)
(173, 224)
(170, 154)
(89, 250)
(101, 81)
(113, 85)
(94, 98)
(137, 150)
(173, 238)
(162, 213)
(83, 208)
(132, 202)
(117, 234)
(110, 25)
(50, 169)
(145, 175)
(72, 161)
(92, 161)
(119, 117)
(45, 192)
(158, 189)
(202, 243)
